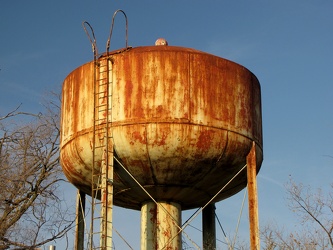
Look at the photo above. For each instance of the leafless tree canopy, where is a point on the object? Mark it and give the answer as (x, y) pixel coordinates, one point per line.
(314, 208)
(32, 211)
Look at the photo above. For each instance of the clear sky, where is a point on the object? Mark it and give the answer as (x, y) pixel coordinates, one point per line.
(288, 45)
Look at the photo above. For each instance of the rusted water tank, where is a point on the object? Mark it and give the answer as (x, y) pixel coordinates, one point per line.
(183, 122)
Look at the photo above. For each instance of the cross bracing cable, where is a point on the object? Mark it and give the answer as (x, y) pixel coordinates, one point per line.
(239, 218)
(202, 208)
(158, 204)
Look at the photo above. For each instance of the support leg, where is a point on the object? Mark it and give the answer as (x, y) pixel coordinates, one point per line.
(253, 198)
(159, 229)
(80, 211)
(209, 228)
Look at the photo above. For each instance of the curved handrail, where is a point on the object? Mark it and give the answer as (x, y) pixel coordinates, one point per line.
(111, 29)
(92, 40)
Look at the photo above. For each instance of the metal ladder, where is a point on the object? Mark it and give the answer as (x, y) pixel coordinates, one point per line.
(103, 150)
(100, 236)
(102, 171)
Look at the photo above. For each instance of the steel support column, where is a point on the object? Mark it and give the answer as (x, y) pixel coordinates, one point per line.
(160, 225)
(208, 227)
(251, 161)
(79, 227)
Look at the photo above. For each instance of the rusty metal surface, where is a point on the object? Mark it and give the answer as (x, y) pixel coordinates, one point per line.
(160, 225)
(183, 122)
(253, 199)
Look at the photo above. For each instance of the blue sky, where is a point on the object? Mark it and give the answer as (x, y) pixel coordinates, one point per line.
(288, 45)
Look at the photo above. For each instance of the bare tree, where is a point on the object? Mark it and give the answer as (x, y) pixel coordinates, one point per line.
(315, 211)
(315, 208)
(32, 211)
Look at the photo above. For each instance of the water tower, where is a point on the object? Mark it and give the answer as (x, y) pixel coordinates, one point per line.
(161, 129)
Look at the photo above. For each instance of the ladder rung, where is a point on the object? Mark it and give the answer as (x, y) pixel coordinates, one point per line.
(103, 66)
(94, 233)
(100, 93)
(101, 81)
(103, 69)
(102, 101)
(101, 112)
(102, 108)
(102, 96)
(101, 105)
(100, 123)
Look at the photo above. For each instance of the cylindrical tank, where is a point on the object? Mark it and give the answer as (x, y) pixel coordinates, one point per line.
(183, 122)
